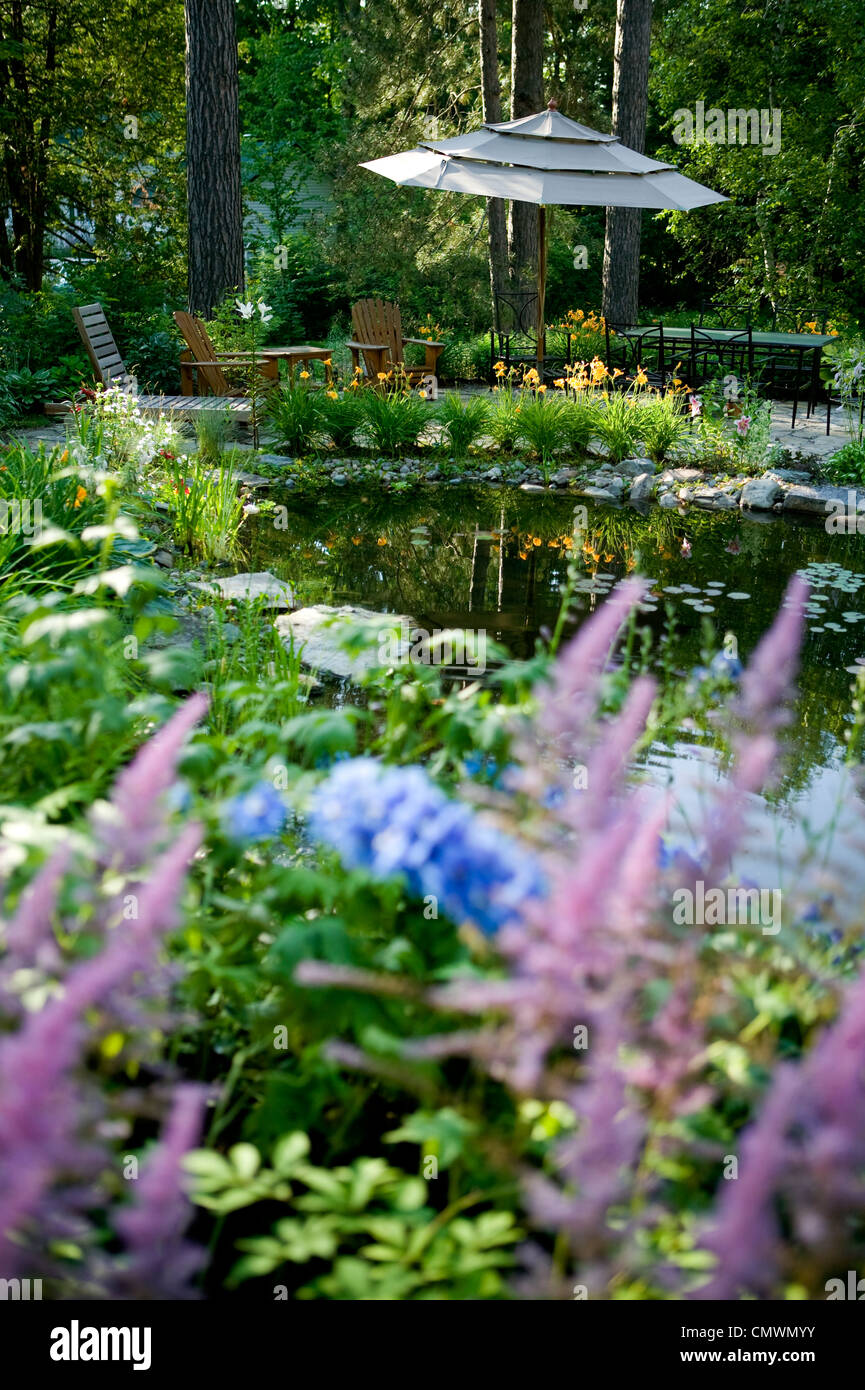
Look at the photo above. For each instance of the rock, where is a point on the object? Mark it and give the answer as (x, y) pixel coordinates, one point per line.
(642, 488)
(761, 493)
(164, 559)
(607, 483)
(634, 468)
(250, 480)
(807, 499)
(493, 475)
(339, 478)
(531, 487)
(790, 475)
(276, 460)
(668, 500)
(563, 477)
(262, 586)
(322, 633)
(713, 497)
(684, 475)
(230, 633)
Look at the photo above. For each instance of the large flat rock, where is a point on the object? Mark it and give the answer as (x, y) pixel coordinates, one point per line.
(262, 586)
(347, 642)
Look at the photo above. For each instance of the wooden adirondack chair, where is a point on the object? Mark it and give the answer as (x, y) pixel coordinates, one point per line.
(202, 361)
(377, 328)
(111, 370)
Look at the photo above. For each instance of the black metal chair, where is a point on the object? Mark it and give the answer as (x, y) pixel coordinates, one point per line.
(632, 346)
(785, 374)
(728, 315)
(786, 320)
(514, 336)
(712, 357)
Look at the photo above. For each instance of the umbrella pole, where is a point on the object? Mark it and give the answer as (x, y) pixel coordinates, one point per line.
(542, 279)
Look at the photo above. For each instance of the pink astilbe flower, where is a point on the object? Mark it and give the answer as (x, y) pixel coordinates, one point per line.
(160, 1263)
(602, 953)
(129, 828)
(805, 1149)
(52, 1107)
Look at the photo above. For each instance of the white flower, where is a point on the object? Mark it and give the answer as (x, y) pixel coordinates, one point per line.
(246, 310)
(265, 311)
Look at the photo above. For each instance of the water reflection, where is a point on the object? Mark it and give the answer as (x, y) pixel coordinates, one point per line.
(454, 558)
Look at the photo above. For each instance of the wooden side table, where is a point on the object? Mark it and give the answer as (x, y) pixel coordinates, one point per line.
(303, 353)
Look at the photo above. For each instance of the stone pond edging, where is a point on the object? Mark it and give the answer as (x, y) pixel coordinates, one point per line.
(789, 491)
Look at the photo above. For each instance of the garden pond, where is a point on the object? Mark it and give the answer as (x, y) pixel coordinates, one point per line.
(496, 560)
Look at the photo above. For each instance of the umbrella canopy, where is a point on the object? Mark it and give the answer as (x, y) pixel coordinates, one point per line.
(545, 158)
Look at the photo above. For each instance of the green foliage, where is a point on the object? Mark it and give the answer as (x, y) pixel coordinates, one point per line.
(619, 424)
(847, 465)
(206, 510)
(46, 511)
(580, 421)
(394, 418)
(543, 422)
(371, 1222)
(504, 423)
(212, 431)
(341, 417)
(664, 423)
(294, 413)
(463, 421)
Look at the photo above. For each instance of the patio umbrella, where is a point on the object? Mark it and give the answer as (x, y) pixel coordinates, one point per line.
(545, 158)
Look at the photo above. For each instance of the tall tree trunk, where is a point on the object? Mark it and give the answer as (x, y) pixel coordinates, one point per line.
(27, 146)
(630, 104)
(213, 153)
(527, 96)
(491, 95)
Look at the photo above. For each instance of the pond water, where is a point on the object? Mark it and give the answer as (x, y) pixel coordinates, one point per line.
(495, 561)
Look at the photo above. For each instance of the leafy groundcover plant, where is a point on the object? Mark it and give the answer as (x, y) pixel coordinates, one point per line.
(483, 973)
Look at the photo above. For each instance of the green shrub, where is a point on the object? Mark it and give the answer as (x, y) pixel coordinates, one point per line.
(295, 414)
(847, 465)
(618, 425)
(207, 512)
(580, 421)
(28, 389)
(394, 419)
(341, 417)
(504, 421)
(45, 505)
(465, 359)
(463, 422)
(212, 430)
(543, 424)
(664, 422)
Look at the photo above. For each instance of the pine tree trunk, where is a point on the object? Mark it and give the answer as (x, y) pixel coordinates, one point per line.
(213, 154)
(527, 96)
(630, 104)
(491, 95)
(26, 153)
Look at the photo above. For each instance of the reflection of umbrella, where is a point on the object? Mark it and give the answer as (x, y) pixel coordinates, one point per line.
(545, 158)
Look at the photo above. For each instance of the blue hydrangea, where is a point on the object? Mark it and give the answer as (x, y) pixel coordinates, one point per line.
(395, 820)
(723, 666)
(257, 814)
